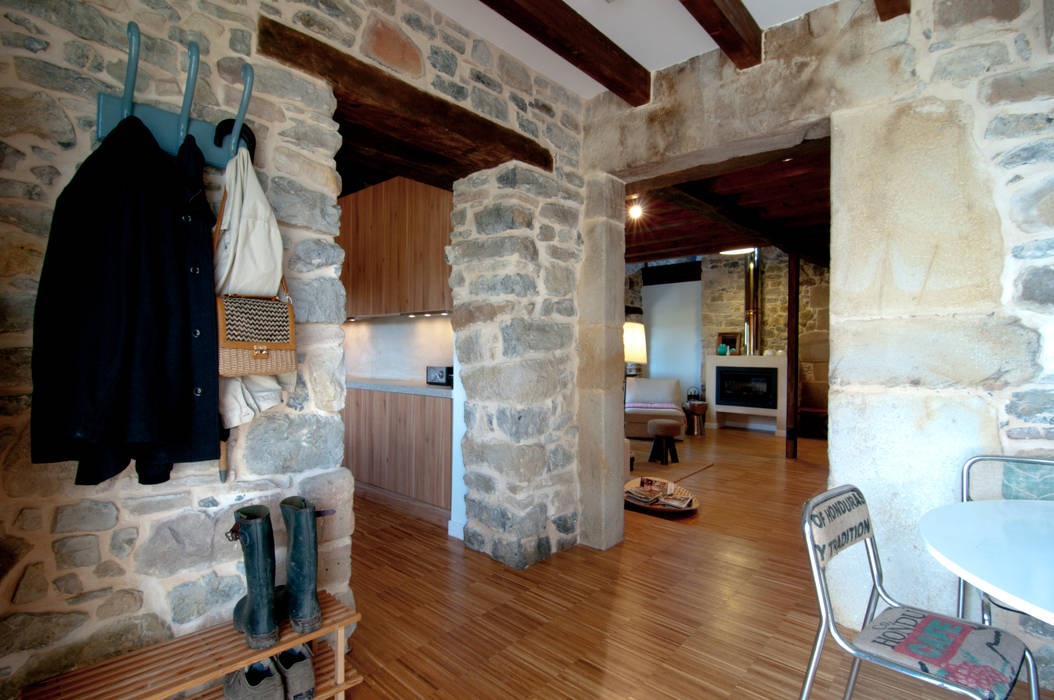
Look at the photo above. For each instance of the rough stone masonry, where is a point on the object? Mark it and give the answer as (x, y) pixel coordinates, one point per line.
(515, 257)
(88, 571)
(942, 140)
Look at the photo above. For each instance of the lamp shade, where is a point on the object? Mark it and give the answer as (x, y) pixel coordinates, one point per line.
(633, 343)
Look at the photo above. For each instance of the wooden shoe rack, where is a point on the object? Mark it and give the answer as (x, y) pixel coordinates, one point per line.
(193, 661)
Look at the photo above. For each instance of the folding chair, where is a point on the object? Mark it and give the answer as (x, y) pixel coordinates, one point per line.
(977, 661)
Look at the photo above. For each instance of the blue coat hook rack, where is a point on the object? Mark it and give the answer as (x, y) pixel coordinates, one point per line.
(171, 129)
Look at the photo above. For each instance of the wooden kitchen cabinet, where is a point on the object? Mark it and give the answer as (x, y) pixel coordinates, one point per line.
(398, 448)
(394, 235)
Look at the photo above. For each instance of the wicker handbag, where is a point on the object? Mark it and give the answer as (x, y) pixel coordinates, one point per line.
(256, 333)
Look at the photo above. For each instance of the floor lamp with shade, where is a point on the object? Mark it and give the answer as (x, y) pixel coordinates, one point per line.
(635, 349)
(634, 344)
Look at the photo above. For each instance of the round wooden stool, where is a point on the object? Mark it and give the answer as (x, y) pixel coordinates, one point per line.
(663, 432)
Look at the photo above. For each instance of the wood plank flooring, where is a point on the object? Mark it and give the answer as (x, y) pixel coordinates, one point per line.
(718, 605)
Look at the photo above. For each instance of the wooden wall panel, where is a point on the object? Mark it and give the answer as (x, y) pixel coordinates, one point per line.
(400, 443)
(394, 235)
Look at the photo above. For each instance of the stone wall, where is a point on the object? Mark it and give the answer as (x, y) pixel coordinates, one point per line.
(516, 255)
(814, 345)
(940, 243)
(634, 285)
(88, 571)
(723, 298)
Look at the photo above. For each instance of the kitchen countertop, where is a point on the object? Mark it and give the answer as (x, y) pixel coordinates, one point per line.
(399, 386)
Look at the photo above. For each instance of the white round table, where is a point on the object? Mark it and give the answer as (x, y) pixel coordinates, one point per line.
(1005, 548)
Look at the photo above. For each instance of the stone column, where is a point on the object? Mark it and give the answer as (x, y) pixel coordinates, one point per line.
(921, 343)
(515, 257)
(601, 456)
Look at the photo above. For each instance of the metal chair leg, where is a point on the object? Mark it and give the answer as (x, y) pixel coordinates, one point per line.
(814, 661)
(1033, 675)
(852, 679)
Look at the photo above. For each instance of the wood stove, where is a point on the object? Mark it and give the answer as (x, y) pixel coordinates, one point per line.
(754, 387)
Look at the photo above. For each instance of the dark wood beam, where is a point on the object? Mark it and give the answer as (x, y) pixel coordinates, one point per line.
(651, 254)
(777, 173)
(690, 203)
(708, 170)
(819, 185)
(888, 9)
(556, 25)
(793, 296)
(682, 219)
(373, 98)
(670, 274)
(681, 239)
(793, 208)
(731, 26)
(366, 152)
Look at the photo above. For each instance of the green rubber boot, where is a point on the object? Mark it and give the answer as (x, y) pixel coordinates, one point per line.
(305, 615)
(254, 613)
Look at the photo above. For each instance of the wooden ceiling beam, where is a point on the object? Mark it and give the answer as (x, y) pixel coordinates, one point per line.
(732, 28)
(678, 238)
(701, 226)
(770, 176)
(818, 186)
(686, 201)
(733, 165)
(382, 151)
(557, 26)
(888, 9)
(703, 247)
(373, 98)
(782, 209)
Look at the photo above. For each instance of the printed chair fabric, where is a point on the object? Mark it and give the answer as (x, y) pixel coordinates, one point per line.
(838, 522)
(947, 649)
(984, 658)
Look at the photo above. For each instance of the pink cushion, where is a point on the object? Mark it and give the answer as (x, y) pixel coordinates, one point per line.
(653, 405)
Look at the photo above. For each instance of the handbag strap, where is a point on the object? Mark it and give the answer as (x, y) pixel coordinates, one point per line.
(219, 222)
(216, 239)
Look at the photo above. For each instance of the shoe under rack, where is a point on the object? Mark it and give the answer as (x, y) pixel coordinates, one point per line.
(194, 660)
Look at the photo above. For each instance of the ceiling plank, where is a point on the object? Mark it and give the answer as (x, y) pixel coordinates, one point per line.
(702, 247)
(373, 98)
(366, 149)
(557, 26)
(888, 9)
(686, 201)
(731, 26)
(686, 236)
(709, 170)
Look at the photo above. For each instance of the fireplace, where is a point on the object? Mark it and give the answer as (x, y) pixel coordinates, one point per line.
(747, 391)
(753, 387)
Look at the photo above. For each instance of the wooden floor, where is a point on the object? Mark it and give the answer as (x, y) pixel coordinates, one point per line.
(719, 605)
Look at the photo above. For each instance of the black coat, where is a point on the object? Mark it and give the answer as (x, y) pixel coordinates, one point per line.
(124, 340)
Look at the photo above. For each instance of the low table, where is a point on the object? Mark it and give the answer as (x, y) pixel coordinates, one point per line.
(664, 485)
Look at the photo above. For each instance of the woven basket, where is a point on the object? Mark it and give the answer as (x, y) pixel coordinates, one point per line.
(257, 335)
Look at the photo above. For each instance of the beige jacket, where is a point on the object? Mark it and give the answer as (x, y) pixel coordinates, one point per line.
(248, 261)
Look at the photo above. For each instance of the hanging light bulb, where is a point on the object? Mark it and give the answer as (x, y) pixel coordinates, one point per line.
(636, 211)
